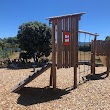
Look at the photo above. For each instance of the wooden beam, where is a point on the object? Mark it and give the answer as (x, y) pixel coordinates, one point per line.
(85, 32)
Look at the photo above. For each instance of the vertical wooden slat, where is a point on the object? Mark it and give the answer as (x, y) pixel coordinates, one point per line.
(63, 43)
(72, 42)
(58, 54)
(59, 42)
(77, 19)
(60, 20)
(92, 45)
(104, 48)
(99, 47)
(66, 47)
(96, 48)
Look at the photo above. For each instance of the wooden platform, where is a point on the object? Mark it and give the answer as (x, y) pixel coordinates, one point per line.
(84, 62)
(31, 77)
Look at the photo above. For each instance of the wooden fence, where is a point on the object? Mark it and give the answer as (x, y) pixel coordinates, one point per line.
(102, 48)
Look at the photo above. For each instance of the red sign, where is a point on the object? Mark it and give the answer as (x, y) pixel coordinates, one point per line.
(66, 38)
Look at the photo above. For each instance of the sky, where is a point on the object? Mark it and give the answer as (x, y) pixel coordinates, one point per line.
(15, 12)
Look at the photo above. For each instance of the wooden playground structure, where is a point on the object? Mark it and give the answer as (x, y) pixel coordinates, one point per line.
(102, 50)
(65, 48)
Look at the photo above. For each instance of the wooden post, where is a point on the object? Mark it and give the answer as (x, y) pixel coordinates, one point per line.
(108, 57)
(93, 56)
(108, 65)
(75, 50)
(53, 55)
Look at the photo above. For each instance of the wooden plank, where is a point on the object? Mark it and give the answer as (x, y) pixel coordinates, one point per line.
(92, 45)
(96, 48)
(63, 43)
(72, 42)
(77, 18)
(69, 29)
(58, 56)
(98, 45)
(104, 47)
(60, 45)
(31, 77)
(66, 47)
(75, 41)
(101, 48)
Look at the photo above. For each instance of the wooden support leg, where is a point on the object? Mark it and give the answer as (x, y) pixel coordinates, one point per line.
(75, 77)
(51, 78)
(54, 77)
(93, 63)
(108, 65)
(53, 56)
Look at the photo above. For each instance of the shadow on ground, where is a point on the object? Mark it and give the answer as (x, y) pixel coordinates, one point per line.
(99, 76)
(23, 66)
(30, 96)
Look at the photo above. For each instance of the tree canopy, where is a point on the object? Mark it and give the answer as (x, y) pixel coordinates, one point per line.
(35, 37)
(9, 44)
(107, 38)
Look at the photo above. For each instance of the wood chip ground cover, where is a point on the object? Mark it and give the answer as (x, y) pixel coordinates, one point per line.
(94, 94)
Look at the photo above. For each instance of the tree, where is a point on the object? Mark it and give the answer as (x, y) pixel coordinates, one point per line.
(35, 37)
(107, 38)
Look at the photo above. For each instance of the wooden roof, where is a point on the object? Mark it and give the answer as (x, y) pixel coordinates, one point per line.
(62, 16)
